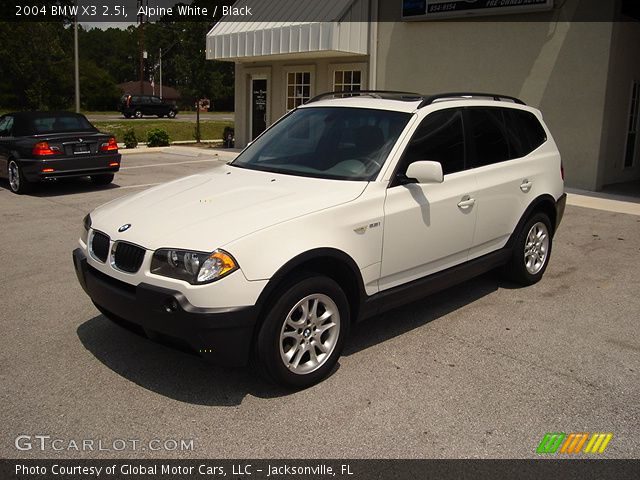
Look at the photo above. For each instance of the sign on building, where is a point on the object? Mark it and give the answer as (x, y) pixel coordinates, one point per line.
(435, 9)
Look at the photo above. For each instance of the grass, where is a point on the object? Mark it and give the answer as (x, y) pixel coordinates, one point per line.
(178, 131)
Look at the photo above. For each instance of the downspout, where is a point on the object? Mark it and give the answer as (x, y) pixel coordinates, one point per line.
(373, 44)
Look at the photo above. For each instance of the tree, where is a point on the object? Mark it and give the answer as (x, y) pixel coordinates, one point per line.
(37, 58)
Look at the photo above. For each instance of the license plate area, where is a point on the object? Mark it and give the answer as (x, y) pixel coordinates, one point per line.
(81, 149)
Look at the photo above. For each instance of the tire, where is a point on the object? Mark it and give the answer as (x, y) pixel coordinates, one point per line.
(137, 114)
(17, 182)
(531, 251)
(160, 115)
(104, 179)
(171, 114)
(297, 349)
(127, 115)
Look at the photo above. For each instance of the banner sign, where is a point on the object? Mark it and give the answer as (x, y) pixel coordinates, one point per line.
(437, 9)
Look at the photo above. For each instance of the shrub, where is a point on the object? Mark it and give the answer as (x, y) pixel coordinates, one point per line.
(157, 137)
(130, 139)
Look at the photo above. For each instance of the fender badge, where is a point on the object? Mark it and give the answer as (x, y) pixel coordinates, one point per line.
(363, 229)
(124, 227)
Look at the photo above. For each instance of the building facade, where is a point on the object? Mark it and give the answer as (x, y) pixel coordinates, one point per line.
(583, 75)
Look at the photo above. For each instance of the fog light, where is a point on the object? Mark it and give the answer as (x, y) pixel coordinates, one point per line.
(171, 305)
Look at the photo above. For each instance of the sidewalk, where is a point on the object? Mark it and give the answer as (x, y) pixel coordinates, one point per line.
(603, 201)
(183, 150)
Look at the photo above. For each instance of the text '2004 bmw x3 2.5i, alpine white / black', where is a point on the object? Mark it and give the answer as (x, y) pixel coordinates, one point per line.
(344, 208)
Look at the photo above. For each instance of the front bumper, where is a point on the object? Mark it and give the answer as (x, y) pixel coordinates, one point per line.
(222, 335)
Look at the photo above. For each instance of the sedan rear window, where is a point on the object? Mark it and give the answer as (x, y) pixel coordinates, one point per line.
(60, 123)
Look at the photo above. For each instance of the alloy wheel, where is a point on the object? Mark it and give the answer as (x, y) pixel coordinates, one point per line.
(536, 248)
(14, 176)
(309, 334)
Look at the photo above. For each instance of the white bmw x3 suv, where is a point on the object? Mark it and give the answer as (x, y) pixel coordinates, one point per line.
(346, 207)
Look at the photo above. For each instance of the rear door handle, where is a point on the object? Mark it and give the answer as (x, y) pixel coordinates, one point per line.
(466, 202)
(526, 185)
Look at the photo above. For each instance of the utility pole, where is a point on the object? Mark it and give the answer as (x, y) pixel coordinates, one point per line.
(76, 66)
(141, 3)
(160, 73)
(198, 136)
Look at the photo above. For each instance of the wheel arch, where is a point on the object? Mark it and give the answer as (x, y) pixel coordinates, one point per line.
(545, 204)
(331, 262)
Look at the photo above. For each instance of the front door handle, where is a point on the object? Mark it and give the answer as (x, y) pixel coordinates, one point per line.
(526, 185)
(466, 202)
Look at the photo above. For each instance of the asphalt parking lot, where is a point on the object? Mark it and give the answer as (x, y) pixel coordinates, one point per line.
(482, 370)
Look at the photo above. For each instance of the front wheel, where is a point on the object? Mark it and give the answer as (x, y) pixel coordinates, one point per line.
(17, 182)
(171, 114)
(104, 179)
(137, 114)
(303, 332)
(531, 251)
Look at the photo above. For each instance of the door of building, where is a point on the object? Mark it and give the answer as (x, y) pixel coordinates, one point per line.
(258, 106)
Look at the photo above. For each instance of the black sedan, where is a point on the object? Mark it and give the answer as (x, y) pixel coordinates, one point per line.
(36, 146)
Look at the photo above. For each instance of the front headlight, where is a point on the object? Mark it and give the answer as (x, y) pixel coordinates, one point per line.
(86, 224)
(193, 267)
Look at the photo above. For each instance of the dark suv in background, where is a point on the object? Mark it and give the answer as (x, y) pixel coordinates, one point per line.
(139, 105)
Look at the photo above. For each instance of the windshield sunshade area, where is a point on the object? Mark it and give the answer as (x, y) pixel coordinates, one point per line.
(327, 142)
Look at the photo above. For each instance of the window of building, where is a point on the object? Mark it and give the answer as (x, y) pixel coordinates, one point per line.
(632, 133)
(298, 89)
(347, 80)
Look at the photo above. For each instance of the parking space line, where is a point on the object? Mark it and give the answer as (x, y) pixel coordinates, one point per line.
(170, 164)
(140, 186)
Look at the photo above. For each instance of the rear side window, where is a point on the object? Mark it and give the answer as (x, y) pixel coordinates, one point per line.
(439, 138)
(489, 136)
(501, 134)
(533, 135)
(6, 124)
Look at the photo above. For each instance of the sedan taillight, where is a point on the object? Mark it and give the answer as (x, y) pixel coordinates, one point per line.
(109, 146)
(43, 148)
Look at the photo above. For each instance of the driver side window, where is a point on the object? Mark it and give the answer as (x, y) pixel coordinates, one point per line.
(439, 138)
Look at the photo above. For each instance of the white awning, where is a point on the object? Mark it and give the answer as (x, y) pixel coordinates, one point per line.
(313, 28)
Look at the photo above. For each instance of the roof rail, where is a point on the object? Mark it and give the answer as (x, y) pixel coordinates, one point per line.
(441, 96)
(385, 94)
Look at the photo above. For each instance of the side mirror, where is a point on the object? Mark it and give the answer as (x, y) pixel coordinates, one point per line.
(426, 172)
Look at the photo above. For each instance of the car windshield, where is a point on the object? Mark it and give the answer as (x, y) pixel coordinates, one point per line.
(326, 142)
(60, 123)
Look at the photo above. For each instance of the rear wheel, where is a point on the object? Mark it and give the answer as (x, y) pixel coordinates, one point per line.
(303, 332)
(531, 251)
(105, 179)
(17, 182)
(127, 115)
(171, 114)
(137, 114)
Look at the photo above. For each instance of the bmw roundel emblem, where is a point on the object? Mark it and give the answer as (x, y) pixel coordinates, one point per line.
(124, 227)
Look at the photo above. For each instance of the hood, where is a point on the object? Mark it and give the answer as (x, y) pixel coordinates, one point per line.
(211, 209)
